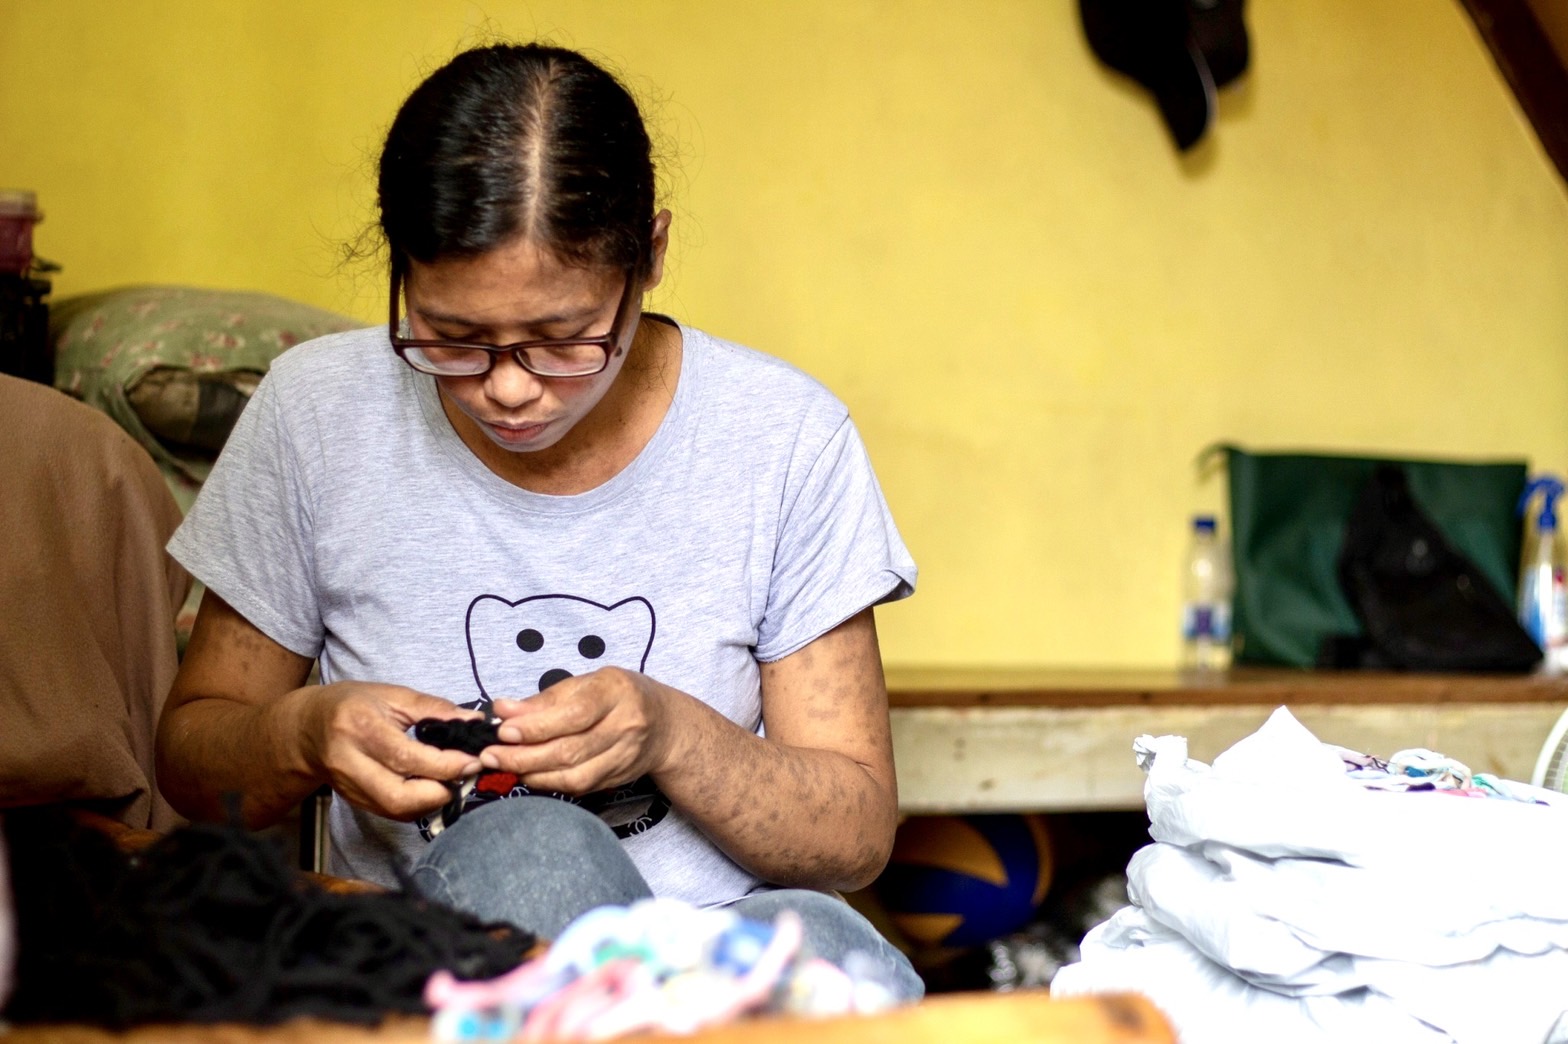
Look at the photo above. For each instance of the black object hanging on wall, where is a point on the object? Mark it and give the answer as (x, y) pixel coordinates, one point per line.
(1181, 51)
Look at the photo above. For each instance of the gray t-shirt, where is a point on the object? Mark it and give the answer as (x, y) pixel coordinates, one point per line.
(348, 521)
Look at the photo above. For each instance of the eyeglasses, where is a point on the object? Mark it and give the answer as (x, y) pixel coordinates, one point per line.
(545, 357)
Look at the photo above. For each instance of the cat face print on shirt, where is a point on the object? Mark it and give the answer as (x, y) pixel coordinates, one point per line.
(520, 648)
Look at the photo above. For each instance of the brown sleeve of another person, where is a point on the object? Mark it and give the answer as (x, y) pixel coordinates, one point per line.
(88, 597)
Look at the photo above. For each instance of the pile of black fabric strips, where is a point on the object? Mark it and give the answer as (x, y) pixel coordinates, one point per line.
(210, 924)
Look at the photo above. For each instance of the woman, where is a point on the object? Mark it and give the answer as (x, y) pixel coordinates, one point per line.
(650, 556)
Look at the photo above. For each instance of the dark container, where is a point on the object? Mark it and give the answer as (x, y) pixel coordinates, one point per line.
(18, 214)
(24, 329)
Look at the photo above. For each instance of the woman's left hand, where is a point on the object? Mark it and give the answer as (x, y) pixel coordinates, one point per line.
(584, 733)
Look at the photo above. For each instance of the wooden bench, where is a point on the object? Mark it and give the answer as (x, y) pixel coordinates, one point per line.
(1061, 741)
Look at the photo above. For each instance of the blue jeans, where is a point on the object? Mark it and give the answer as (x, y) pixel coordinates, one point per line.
(539, 863)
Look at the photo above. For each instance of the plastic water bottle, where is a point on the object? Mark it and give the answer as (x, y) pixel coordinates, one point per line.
(1206, 594)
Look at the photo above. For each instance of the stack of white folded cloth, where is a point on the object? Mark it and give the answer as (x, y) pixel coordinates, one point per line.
(1297, 891)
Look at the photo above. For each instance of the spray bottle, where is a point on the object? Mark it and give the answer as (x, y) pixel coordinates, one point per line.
(1543, 600)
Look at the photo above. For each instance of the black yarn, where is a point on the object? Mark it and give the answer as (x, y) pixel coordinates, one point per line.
(210, 924)
(467, 735)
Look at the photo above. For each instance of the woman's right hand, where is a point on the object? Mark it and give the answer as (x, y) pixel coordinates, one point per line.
(356, 736)
(241, 721)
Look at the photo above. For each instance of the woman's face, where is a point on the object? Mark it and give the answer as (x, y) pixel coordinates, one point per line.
(520, 292)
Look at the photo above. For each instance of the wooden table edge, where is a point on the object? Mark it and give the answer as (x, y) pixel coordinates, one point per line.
(950, 687)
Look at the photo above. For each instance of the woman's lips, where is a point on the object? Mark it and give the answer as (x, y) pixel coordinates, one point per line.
(517, 433)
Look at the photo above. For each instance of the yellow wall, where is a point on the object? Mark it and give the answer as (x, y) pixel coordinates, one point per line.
(981, 240)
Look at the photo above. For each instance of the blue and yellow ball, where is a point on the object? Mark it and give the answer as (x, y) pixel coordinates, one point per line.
(956, 881)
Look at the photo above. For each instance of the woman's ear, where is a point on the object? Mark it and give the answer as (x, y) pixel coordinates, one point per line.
(659, 241)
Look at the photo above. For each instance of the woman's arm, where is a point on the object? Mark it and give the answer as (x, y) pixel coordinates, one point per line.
(240, 720)
(813, 805)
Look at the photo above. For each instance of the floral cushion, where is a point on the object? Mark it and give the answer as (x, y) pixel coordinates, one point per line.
(182, 358)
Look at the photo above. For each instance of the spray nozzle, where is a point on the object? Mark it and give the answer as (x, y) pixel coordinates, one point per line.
(1550, 487)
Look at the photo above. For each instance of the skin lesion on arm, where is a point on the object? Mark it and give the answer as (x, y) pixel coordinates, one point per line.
(816, 802)
(241, 719)
(218, 731)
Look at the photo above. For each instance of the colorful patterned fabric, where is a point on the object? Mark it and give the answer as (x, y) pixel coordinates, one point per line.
(106, 342)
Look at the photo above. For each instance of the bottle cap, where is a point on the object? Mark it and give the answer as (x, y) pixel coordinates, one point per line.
(1550, 488)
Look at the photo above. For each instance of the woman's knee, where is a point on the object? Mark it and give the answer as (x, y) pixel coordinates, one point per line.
(835, 931)
(532, 861)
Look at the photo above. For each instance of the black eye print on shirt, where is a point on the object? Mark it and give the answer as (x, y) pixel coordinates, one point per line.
(530, 640)
(591, 647)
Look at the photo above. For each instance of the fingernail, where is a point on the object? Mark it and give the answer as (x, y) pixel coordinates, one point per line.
(472, 768)
(489, 761)
(509, 734)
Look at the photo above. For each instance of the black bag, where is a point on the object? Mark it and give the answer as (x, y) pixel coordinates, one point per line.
(1423, 605)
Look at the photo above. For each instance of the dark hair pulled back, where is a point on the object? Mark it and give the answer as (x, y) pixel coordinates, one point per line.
(518, 140)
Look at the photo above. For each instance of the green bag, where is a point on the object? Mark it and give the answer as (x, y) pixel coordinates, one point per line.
(1288, 513)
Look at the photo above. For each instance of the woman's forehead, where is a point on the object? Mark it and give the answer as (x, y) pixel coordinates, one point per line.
(517, 260)
(519, 279)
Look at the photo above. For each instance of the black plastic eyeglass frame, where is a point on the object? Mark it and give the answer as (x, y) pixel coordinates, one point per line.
(518, 350)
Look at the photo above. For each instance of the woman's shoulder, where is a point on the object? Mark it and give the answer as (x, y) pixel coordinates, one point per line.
(346, 385)
(329, 357)
(741, 379)
(340, 370)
